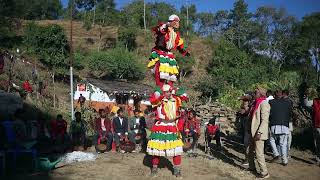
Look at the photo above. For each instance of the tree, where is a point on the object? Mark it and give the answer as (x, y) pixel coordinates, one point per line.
(49, 43)
(188, 16)
(305, 46)
(117, 63)
(274, 33)
(107, 13)
(239, 29)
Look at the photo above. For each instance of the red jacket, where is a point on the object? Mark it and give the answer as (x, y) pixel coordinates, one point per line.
(27, 87)
(58, 127)
(316, 113)
(107, 125)
(193, 124)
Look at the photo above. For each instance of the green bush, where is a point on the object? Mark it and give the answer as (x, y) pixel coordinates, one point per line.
(48, 42)
(127, 38)
(230, 97)
(117, 63)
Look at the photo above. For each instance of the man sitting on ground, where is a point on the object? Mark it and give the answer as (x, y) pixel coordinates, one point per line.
(78, 130)
(138, 127)
(103, 129)
(120, 126)
(192, 129)
(213, 132)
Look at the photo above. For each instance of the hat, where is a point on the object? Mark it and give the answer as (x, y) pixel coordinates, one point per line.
(174, 17)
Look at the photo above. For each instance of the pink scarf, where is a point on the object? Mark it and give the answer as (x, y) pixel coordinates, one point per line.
(255, 105)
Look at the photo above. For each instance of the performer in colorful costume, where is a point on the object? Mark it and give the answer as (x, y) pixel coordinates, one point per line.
(162, 61)
(165, 139)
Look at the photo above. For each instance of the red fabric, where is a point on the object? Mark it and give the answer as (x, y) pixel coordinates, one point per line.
(27, 87)
(256, 104)
(212, 129)
(316, 113)
(164, 129)
(177, 160)
(156, 160)
(180, 123)
(58, 128)
(107, 125)
(193, 124)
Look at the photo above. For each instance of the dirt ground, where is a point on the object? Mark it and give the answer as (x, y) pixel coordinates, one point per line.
(225, 165)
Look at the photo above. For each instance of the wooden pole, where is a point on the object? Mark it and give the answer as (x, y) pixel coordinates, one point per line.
(187, 19)
(71, 61)
(144, 17)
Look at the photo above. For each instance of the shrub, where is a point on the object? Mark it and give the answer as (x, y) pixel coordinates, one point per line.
(127, 38)
(230, 97)
(116, 64)
(48, 42)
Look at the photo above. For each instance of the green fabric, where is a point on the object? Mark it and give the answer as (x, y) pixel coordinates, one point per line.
(158, 89)
(167, 60)
(154, 55)
(163, 137)
(180, 91)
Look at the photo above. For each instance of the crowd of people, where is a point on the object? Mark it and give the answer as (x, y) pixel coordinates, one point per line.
(266, 118)
(110, 128)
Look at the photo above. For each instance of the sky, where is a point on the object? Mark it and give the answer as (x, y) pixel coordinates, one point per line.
(298, 8)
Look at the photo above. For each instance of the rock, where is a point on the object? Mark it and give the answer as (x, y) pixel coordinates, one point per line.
(9, 103)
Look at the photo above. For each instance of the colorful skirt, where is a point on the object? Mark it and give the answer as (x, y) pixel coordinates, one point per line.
(168, 67)
(164, 140)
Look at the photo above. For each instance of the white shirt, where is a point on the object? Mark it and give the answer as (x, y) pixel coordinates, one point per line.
(120, 119)
(102, 124)
(279, 129)
(137, 120)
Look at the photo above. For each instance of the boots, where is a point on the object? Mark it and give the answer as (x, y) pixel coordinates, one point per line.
(154, 171)
(177, 172)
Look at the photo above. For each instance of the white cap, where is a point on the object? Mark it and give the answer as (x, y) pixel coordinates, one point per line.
(174, 17)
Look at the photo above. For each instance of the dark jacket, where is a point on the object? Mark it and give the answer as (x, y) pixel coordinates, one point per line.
(280, 112)
(118, 128)
(107, 125)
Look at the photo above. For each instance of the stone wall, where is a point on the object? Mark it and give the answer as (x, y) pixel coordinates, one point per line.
(226, 116)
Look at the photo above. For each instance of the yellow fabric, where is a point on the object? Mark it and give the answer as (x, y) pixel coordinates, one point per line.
(165, 146)
(178, 102)
(115, 109)
(180, 42)
(153, 62)
(166, 68)
(170, 109)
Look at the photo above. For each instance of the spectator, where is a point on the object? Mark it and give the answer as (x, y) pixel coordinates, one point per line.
(259, 132)
(120, 126)
(81, 100)
(213, 130)
(285, 95)
(27, 86)
(58, 130)
(78, 130)
(103, 129)
(20, 130)
(243, 114)
(280, 111)
(192, 129)
(316, 125)
(269, 95)
(138, 126)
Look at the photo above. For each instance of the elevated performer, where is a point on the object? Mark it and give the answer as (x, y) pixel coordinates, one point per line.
(162, 61)
(165, 139)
